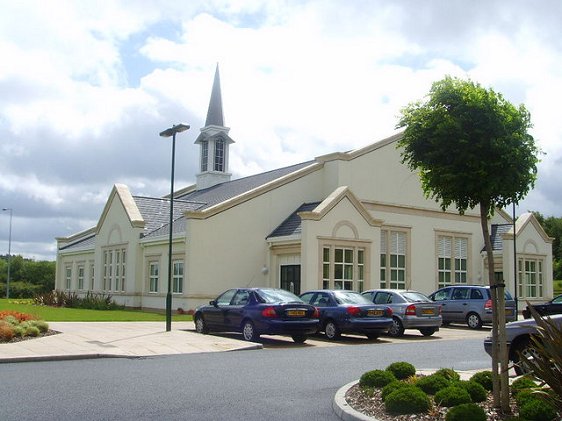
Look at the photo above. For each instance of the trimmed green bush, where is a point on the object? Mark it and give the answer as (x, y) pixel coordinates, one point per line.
(475, 390)
(42, 325)
(433, 383)
(407, 400)
(537, 410)
(452, 396)
(392, 386)
(524, 396)
(402, 370)
(32, 331)
(520, 384)
(466, 412)
(448, 373)
(376, 378)
(484, 378)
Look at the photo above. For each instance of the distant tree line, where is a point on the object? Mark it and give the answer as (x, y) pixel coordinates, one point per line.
(28, 277)
(553, 227)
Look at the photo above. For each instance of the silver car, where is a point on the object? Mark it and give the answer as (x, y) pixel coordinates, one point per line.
(470, 304)
(518, 338)
(410, 310)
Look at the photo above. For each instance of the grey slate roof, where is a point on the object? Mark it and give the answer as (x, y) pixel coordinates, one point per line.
(224, 191)
(156, 211)
(498, 230)
(82, 243)
(293, 224)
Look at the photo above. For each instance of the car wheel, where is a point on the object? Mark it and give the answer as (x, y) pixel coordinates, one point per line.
(521, 352)
(331, 330)
(473, 321)
(299, 339)
(396, 330)
(249, 331)
(373, 336)
(200, 325)
(427, 331)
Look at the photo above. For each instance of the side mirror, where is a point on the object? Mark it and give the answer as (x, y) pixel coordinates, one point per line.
(213, 303)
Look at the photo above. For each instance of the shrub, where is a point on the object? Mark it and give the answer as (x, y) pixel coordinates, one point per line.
(484, 378)
(452, 396)
(466, 411)
(520, 384)
(525, 396)
(16, 315)
(433, 383)
(402, 370)
(449, 374)
(407, 400)
(475, 390)
(6, 332)
(42, 325)
(538, 410)
(31, 331)
(376, 378)
(392, 386)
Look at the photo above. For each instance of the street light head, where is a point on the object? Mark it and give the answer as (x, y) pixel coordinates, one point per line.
(6, 209)
(178, 128)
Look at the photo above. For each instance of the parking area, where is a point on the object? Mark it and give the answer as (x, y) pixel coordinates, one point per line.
(451, 332)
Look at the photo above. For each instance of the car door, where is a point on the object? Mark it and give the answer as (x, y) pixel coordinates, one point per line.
(325, 304)
(458, 305)
(214, 313)
(235, 312)
(443, 297)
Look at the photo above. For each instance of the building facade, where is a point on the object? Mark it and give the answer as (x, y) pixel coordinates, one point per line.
(354, 220)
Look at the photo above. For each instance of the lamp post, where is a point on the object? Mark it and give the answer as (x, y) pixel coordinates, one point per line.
(9, 252)
(172, 131)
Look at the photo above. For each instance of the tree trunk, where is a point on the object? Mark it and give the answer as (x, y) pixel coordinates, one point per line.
(500, 380)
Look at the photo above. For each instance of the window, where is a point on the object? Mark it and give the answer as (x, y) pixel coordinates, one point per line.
(452, 260)
(177, 279)
(393, 259)
(153, 277)
(114, 266)
(81, 277)
(219, 155)
(68, 276)
(530, 277)
(343, 268)
(204, 155)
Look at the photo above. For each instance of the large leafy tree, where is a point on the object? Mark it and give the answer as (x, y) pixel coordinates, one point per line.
(472, 149)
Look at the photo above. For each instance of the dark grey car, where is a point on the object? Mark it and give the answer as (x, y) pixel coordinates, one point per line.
(470, 304)
(410, 310)
(518, 338)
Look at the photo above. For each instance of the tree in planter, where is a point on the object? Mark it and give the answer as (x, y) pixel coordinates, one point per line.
(472, 148)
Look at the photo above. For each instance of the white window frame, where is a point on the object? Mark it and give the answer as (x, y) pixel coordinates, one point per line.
(153, 276)
(68, 277)
(345, 270)
(114, 266)
(394, 258)
(177, 278)
(530, 277)
(81, 273)
(453, 259)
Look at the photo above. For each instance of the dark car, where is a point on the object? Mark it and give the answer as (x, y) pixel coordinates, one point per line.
(518, 338)
(257, 311)
(410, 310)
(470, 304)
(348, 312)
(553, 306)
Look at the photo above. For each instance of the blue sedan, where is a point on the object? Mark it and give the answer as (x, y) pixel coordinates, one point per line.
(349, 312)
(257, 311)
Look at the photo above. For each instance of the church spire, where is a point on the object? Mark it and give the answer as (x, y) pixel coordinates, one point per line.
(214, 142)
(214, 114)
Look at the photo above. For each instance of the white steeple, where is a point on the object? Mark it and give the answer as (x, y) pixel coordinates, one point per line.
(214, 142)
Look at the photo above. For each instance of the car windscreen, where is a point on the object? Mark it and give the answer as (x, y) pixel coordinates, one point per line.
(277, 296)
(346, 297)
(415, 297)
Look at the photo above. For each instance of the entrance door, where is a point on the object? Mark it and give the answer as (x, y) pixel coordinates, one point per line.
(291, 278)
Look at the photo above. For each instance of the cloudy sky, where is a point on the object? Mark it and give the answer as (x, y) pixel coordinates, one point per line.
(86, 86)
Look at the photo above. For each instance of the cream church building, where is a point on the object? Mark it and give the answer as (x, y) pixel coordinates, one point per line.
(354, 220)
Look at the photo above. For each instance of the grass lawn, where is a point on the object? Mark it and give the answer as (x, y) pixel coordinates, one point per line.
(60, 314)
(557, 288)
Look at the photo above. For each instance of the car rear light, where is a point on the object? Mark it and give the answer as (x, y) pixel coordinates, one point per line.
(388, 312)
(354, 311)
(316, 314)
(411, 310)
(269, 312)
(488, 304)
(440, 309)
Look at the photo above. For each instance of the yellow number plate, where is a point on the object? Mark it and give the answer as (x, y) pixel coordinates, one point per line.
(375, 312)
(427, 311)
(296, 313)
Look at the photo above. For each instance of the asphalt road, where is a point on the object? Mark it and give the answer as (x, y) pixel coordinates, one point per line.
(280, 382)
